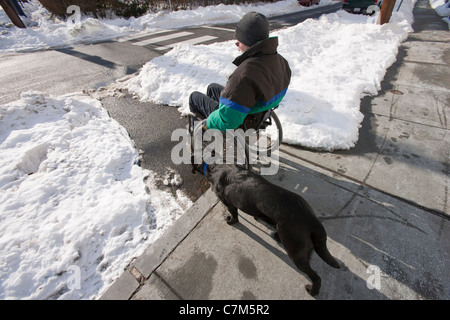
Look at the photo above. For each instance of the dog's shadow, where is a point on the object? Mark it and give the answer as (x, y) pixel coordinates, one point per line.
(262, 233)
(247, 223)
(275, 247)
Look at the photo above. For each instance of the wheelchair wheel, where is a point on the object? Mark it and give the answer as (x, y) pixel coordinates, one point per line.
(268, 138)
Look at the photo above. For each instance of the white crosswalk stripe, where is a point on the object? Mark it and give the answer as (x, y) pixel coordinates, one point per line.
(189, 41)
(146, 38)
(162, 38)
(218, 28)
(141, 34)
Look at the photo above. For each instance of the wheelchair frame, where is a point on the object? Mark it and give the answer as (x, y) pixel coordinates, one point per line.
(256, 122)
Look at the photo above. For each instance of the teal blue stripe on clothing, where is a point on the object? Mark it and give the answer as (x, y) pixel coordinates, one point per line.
(234, 105)
(275, 98)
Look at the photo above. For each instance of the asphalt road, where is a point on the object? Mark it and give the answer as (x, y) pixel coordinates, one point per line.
(64, 70)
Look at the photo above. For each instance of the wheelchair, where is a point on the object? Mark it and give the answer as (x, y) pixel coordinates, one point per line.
(257, 138)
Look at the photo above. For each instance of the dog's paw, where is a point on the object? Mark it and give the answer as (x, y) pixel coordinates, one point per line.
(230, 220)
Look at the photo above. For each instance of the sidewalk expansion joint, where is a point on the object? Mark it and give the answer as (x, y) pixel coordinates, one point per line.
(167, 285)
(414, 39)
(364, 184)
(426, 63)
(406, 120)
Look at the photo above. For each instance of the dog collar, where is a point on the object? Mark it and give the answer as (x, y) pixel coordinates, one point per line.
(204, 168)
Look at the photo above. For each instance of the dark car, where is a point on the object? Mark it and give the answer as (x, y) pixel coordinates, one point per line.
(307, 3)
(360, 6)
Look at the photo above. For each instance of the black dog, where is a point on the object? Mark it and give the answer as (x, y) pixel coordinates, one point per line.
(296, 226)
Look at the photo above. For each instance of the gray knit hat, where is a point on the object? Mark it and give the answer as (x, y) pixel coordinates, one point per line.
(252, 28)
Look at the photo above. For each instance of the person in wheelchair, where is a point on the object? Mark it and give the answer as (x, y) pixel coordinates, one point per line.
(258, 84)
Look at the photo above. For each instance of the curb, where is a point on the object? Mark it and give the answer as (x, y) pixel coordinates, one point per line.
(135, 275)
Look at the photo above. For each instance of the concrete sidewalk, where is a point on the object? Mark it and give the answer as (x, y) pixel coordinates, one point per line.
(383, 203)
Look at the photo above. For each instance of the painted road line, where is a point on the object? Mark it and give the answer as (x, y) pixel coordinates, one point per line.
(190, 41)
(140, 35)
(218, 28)
(162, 38)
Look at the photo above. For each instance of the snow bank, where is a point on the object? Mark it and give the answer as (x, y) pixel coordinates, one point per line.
(44, 31)
(75, 208)
(335, 61)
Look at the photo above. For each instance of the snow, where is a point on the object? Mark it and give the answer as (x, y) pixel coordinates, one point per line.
(72, 196)
(76, 209)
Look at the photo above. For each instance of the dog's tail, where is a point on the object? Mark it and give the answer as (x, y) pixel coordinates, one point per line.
(320, 246)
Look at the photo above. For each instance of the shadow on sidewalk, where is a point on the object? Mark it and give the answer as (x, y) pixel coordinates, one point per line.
(365, 228)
